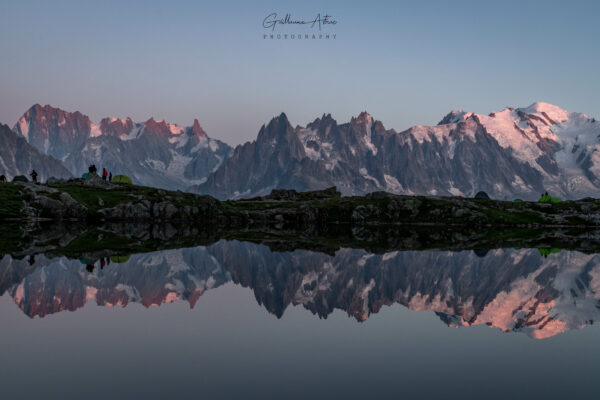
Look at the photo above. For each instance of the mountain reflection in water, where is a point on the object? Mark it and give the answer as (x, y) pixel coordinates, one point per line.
(523, 290)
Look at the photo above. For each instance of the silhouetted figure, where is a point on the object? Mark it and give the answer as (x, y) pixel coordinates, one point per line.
(107, 260)
(31, 259)
(92, 169)
(104, 174)
(110, 177)
(34, 176)
(90, 267)
(2, 178)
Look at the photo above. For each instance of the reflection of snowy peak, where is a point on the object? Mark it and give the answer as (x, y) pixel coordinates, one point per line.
(153, 153)
(514, 152)
(513, 290)
(54, 285)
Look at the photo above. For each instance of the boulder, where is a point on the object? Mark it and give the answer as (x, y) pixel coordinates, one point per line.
(53, 181)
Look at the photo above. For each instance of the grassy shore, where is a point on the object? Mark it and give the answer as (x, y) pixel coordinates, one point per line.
(76, 200)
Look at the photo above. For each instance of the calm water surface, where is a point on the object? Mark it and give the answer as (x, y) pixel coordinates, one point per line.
(237, 320)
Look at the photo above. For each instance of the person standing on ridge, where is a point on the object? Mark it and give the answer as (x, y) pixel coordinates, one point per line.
(104, 174)
(34, 176)
(110, 177)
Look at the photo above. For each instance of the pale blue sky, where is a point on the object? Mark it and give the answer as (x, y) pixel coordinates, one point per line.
(405, 62)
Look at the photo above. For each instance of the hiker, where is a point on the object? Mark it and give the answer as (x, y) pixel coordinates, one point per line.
(2, 178)
(92, 169)
(34, 176)
(102, 263)
(110, 177)
(104, 174)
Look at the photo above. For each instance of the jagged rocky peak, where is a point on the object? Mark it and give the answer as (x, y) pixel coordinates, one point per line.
(278, 121)
(197, 129)
(281, 118)
(277, 126)
(46, 118)
(53, 131)
(455, 117)
(157, 127)
(116, 126)
(363, 118)
(364, 121)
(323, 122)
(162, 128)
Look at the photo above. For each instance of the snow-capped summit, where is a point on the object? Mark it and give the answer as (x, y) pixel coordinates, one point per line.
(454, 117)
(153, 153)
(551, 112)
(515, 152)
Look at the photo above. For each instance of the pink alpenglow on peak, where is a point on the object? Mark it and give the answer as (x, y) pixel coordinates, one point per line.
(197, 129)
(116, 126)
(153, 153)
(555, 113)
(163, 128)
(363, 117)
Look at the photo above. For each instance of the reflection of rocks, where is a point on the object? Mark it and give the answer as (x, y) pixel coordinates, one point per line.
(34, 237)
(514, 290)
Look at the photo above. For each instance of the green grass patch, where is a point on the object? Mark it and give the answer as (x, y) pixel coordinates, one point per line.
(11, 200)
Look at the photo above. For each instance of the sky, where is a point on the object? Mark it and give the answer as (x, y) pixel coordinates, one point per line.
(405, 62)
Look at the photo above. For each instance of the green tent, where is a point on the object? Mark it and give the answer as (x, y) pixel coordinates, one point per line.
(20, 178)
(120, 259)
(547, 252)
(549, 199)
(85, 175)
(122, 179)
(518, 201)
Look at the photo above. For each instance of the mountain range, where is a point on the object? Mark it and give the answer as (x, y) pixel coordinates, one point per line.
(516, 152)
(152, 153)
(513, 290)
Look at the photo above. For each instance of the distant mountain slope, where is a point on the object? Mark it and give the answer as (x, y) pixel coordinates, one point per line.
(17, 157)
(153, 153)
(512, 153)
